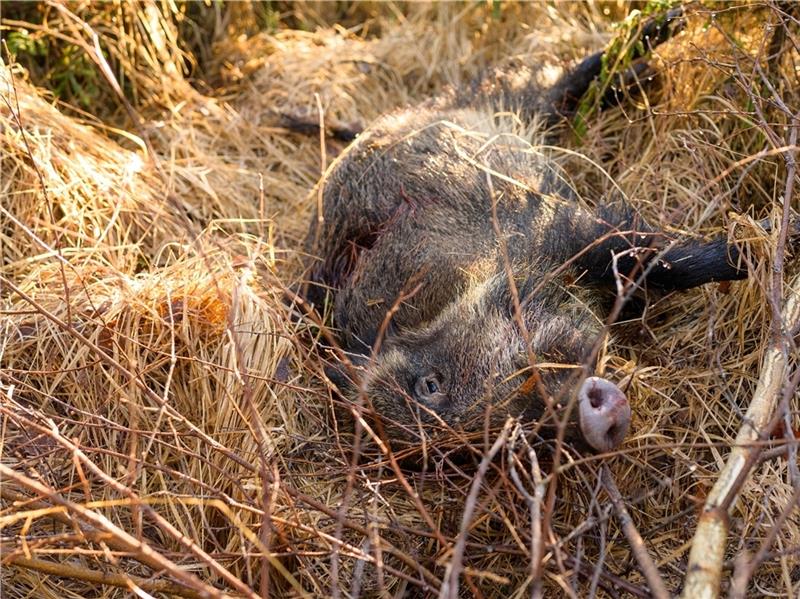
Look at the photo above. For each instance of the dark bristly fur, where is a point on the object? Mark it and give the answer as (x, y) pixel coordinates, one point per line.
(440, 222)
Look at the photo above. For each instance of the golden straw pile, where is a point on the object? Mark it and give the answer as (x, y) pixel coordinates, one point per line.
(165, 425)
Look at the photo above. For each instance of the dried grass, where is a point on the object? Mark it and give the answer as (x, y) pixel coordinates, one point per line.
(155, 384)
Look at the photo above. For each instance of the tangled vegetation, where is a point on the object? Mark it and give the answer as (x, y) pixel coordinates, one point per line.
(166, 428)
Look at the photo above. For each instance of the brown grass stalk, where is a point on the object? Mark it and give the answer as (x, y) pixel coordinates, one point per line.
(142, 551)
(125, 581)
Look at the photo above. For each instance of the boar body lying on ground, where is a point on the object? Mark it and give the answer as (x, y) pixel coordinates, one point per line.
(464, 271)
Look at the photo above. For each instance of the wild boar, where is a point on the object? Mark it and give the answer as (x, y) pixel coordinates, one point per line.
(465, 275)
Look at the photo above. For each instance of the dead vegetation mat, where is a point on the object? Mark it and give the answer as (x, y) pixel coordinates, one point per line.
(165, 427)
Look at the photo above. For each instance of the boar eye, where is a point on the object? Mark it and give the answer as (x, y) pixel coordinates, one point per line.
(428, 388)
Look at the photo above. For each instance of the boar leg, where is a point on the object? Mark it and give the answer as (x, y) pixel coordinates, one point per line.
(692, 264)
(309, 125)
(591, 240)
(665, 266)
(563, 97)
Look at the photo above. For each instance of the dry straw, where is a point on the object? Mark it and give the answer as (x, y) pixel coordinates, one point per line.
(165, 428)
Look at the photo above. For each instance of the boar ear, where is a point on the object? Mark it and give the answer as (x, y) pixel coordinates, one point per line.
(500, 295)
(495, 296)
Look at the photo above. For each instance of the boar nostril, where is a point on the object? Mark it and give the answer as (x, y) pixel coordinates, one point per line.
(595, 397)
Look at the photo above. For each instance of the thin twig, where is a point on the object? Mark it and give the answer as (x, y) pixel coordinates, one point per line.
(646, 564)
(125, 541)
(130, 376)
(743, 571)
(72, 570)
(534, 505)
(45, 192)
(449, 588)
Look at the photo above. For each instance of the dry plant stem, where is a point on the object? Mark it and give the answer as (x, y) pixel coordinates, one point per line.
(127, 374)
(96, 54)
(534, 505)
(96, 536)
(125, 581)
(537, 538)
(135, 501)
(314, 549)
(259, 433)
(47, 199)
(449, 588)
(213, 491)
(704, 570)
(159, 400)
(356, 452)
(743, 571)
(126, 542)
(744, 568)
(594, 581)
(315, 504)
(164, 524)
(607, 581)
(654, 580)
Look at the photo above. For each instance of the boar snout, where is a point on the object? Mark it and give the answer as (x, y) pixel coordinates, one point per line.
(604, 413)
